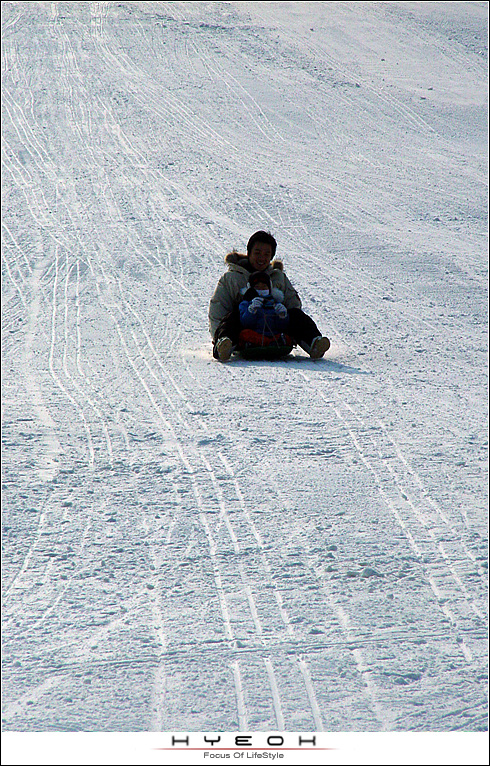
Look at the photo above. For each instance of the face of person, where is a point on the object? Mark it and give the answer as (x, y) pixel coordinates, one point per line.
(261, 286)
(260, 256)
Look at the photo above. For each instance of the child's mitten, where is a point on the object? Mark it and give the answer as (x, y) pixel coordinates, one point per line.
(256, 304)
(281, 310)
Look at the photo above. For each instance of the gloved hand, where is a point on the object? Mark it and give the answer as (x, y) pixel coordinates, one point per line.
(281, 310)
(256, 304)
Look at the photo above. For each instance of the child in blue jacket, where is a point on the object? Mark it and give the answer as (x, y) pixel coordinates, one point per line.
(262, 309)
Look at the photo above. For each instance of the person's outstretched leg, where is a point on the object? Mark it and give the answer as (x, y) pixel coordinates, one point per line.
(226, 336)
(306, 334)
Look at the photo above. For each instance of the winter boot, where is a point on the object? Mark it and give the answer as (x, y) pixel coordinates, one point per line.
(224, 349)
(318, 347)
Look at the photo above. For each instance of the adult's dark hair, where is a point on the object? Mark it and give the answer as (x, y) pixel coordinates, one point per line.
(262, 236)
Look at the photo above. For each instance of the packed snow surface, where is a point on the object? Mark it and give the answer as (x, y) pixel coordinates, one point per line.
(254, 546)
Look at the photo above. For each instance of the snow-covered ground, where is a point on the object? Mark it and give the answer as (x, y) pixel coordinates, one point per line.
(252, 546)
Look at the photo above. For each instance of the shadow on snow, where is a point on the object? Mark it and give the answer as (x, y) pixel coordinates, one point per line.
(324, 365)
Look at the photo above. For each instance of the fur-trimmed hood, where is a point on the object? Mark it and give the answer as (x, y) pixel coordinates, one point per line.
(234, 258)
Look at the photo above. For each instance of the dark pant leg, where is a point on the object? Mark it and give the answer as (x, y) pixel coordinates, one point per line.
(302, 327)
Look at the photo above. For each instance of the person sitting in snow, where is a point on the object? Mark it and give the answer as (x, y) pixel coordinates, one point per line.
(224, 314)
(261, 309)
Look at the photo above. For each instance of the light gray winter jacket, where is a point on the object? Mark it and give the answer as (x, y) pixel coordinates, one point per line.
(231, 287)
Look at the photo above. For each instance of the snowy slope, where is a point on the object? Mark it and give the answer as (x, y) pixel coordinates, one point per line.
(297, 545)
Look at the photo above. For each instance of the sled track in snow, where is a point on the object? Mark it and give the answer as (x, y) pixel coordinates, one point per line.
(426, 524)
(218, 494)
(147, 355)
(340, 615)
(418, 516)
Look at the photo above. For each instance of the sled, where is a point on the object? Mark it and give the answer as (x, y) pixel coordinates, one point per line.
(253, 345)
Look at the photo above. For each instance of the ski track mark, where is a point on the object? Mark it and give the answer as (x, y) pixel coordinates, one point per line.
(30, 552)
(49, 464)
(266, 566)
(12, 22)
(22, 253)
(439, 596)
(54, 375)
(371, 692)
(215, 482)
(54, 598)
(276, 700)
(171, 109)
(218, 579)
(185, 461)
(12, 278)
(310, 690)
(302, 664)
(154, 595)
(83, 393)
(246, 99)
(222, 505)
(416, 477)
(240, 698)
(425, 499)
